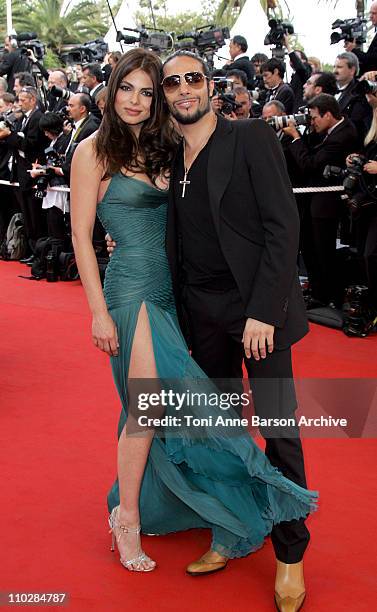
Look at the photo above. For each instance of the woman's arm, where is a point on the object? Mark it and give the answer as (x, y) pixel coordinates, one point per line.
(86, 176)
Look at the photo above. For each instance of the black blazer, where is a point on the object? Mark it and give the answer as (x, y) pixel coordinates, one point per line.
(285, 95)
(256, 219)
(332, 150)
(368, 59)
(28, 149)
(357, 109)
(90, 125)
(243, 63)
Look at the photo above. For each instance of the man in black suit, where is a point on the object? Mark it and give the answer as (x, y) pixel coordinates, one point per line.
(93, 80)
(273, 72)
(84, 125)
(368, 59)
(232, 240)
(239, 59)
(56, 78)
(27, 145)
(13, 61)
(352, 105)
(339, 139)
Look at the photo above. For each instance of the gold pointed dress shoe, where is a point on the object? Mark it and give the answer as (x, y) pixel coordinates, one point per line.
(209, 563)
(289, 579)
(289, 604)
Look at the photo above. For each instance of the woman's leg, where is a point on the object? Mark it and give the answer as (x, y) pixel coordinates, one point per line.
(133, 449)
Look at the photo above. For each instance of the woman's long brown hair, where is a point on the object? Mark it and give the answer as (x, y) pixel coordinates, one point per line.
(116, 145)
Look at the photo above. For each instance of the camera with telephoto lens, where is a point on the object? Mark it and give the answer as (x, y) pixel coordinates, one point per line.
(59, 92)
(359, 317)
(279, 122)
(224, 89)
(360, 193)
(366, 87)
(64, 113)
(52, 159)
(350, 30)
(9, 120)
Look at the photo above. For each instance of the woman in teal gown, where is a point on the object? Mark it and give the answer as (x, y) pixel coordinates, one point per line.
(214, 478)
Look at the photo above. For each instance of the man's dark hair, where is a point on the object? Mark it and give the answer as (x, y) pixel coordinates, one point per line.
(241, 74)
(183, 53)
(327, 81)
(95, 71)
(218, 72)
(274, 64)
(25, 79)
(30, 91)
(325, 103)
(51, 122)
(302, 54)
(261, 58)
(7, 97)
(85, 100)
(241, 41)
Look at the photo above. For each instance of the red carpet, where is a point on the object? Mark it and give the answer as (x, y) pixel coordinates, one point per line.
(59, 412)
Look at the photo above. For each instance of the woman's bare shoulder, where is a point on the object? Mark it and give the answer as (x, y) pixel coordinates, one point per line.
(86, 155)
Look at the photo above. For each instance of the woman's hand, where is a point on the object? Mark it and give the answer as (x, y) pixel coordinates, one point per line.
(370, 167)
(105, 335)
(110, 243)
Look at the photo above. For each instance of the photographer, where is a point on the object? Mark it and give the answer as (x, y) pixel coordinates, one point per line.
(239, 59)
(56, 78)
(273, 72)
(55, 203)
(339, 139)
(352, 104)
(317, 83)
(8, 204)
(27, 144)
(93, 80)
(13, 61)
(302, 71)
(84, 124)
(367, 217)
(368, 59)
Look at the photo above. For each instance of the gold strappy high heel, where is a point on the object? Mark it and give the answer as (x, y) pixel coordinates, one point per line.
(117, 531)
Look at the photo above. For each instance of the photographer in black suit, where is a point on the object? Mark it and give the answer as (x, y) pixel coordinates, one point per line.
(27, 145)
(93, 79)
(273, 72)
(339, 139)
(301, 71)
(368, 59)
(239, 59)
(84, 124)
(352, 105)
(13, 61)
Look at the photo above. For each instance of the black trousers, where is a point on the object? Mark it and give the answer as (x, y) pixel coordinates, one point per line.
(217, 321)
(34, 216)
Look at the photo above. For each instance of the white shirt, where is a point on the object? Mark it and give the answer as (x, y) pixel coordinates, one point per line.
(76, 126)
(240, 55)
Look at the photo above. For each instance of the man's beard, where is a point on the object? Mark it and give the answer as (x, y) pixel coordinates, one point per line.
(190, 119)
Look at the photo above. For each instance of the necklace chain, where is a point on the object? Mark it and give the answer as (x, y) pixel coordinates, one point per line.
(185, 182)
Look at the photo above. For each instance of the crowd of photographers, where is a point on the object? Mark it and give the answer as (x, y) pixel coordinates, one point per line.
(326, 123)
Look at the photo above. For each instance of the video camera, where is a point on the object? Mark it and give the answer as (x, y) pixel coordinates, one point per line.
(157, 40)
(279, 122)
(91, 51)
(350, 29)
(278, 29)
(28, 41)
(358, 193)
(224, 89)
(203, 38)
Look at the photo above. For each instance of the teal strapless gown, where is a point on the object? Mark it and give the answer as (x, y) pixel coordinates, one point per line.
(217, 481)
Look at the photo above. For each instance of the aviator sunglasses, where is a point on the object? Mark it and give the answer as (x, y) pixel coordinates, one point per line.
(193, 79)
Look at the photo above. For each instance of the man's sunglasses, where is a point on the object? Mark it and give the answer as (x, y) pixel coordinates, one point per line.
(193, 79)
